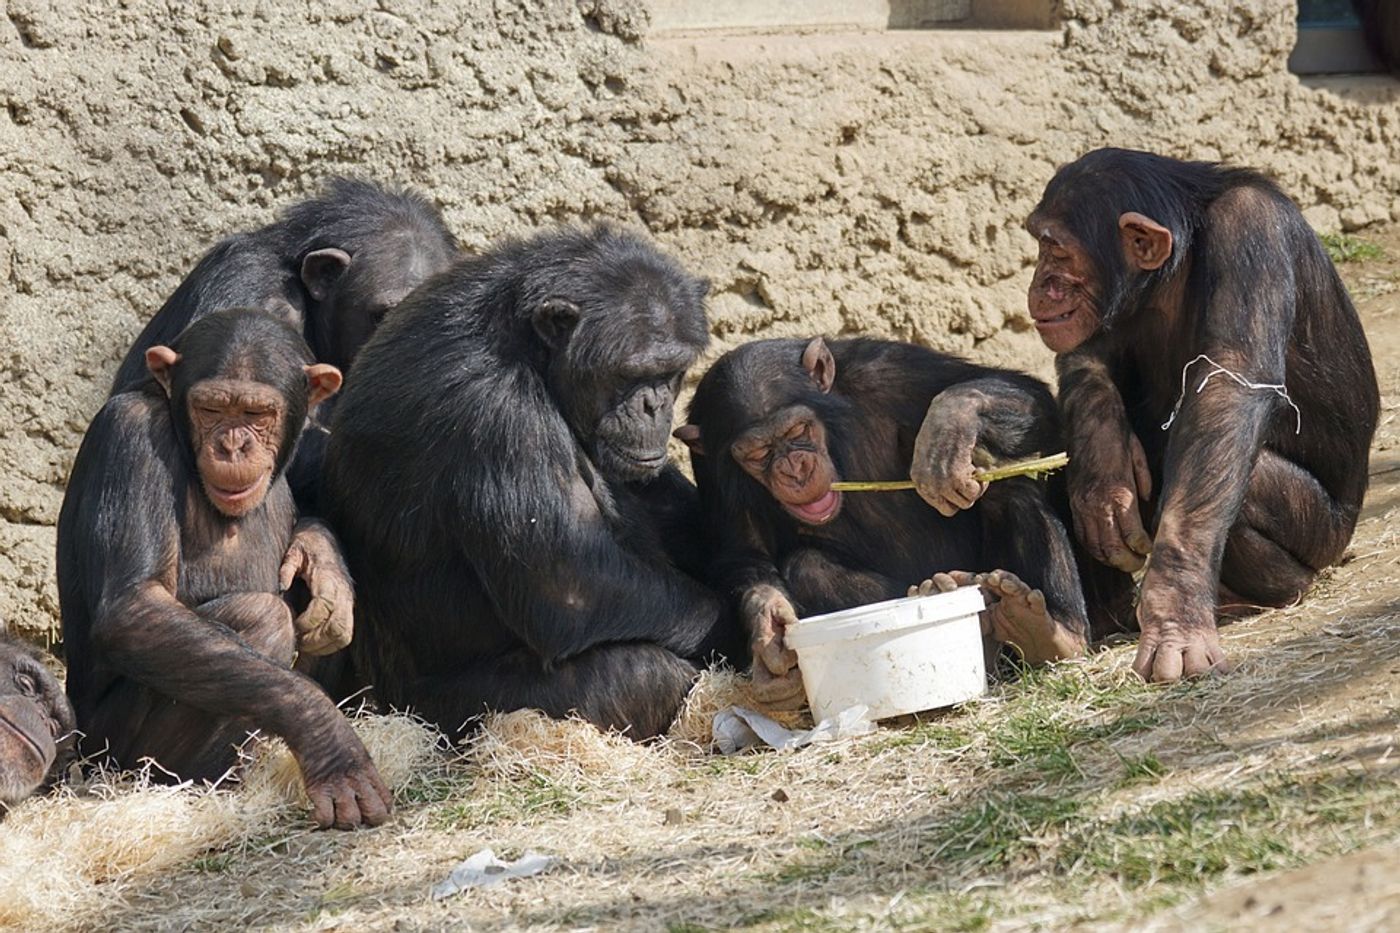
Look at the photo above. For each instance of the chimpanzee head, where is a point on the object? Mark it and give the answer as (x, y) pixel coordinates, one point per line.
(618, 324)
(767, 408)
(361, 249)
(36, 722)
(240, 383)
(1112, 227)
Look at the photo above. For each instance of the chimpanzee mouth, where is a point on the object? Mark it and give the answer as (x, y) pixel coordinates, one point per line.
(37, 753)
(819, 511)
(234, 496)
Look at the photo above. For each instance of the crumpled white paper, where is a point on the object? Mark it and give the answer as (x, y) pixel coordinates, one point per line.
(483, 870)
(737, 728)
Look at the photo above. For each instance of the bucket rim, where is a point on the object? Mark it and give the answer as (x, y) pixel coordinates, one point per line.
(883, 617)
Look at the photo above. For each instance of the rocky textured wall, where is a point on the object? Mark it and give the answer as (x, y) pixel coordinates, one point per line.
(862, 183)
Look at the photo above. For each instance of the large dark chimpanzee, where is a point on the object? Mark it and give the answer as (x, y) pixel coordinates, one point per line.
(174, 543)
(774, 423)
(1217, 388)
(36, 723)
(498, 474)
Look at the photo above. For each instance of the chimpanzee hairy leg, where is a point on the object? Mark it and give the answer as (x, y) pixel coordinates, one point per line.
(1036, 601)
(1283, 503)
(636, 688)
(191, 743)
(819, 583)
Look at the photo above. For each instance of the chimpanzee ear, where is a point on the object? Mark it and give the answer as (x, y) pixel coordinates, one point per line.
(819, 363)
(553, 319)
(159, 360)
(323, 380)
(1146, 243)
(689, 434)
(321, 268)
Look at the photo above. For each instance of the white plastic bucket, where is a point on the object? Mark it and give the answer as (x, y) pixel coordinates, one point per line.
(895, 657)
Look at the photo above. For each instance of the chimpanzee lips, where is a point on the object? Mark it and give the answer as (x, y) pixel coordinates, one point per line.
(26, 741)
(819, 511)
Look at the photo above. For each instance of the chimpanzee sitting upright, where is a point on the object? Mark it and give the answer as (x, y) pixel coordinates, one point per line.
(36, 723)
(173, 545)
(1215, 382)
(498, 475)
(775, 422)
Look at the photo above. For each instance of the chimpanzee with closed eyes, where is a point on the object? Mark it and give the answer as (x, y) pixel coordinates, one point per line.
(174, 547)
(499, 478)
(775, 422)
(36, 723)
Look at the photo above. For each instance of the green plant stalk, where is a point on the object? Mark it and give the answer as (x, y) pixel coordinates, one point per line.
(1033, 468)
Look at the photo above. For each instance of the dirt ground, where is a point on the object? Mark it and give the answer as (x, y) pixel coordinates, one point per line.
(1075, 798)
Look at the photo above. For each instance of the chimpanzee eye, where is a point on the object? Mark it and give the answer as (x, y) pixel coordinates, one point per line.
(796, 432)
(26, 684)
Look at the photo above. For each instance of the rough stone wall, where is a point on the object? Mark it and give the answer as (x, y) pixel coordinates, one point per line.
(865, 183)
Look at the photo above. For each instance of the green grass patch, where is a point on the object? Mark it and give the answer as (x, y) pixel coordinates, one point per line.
(1343, 247)
(525, 798)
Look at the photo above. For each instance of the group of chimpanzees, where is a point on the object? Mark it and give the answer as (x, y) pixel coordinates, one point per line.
(496, 472)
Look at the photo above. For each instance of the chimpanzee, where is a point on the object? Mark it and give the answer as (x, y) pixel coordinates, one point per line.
(498, 474)
(36, 723)
(1218, 392)
(331, 265)
(1380, 22)
(775, 422)
(174, 543)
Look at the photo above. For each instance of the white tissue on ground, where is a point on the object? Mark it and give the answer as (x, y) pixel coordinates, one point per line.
(483, 870)
(738, 728)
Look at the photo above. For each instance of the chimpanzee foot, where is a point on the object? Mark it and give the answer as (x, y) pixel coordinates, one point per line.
(1016, 615)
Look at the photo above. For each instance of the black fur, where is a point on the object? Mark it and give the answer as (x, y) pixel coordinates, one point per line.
(880, 543)
(177, 640)
(497, 472)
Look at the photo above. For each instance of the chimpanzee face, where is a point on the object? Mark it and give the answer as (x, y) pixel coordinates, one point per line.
(1065, 291)
(36, 722)
(240, 428)
(787, 452)
(237, 427)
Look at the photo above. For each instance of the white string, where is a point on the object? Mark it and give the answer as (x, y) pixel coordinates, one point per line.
(1280, 390)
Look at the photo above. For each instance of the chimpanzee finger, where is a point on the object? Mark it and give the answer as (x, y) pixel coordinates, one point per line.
(1143, 661)
(1142, 473)
(1166, 666)
(347, 809)
(322, 806)
(292, 564)
(1196, 661)
(375, 801)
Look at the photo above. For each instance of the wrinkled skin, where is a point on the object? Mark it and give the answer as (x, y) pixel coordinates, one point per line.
(788, 454)
(1063, 299)
(36, 723)
(777, 681)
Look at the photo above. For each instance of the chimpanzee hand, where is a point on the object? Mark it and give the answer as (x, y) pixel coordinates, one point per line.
(942, 469)
(777, 682)
(1108, 475)
(343, 784)
(1179, 638)
(328, 622)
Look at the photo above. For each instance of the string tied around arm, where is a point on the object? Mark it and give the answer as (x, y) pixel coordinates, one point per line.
(1278, 389)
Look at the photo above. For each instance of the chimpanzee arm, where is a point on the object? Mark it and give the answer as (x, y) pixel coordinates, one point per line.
(130, 474)
(547, 554)
(1245, 328)
(1005, 416)
(1108, 474)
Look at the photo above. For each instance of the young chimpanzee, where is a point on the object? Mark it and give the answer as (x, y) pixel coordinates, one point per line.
(173, 548)
(775, 422)
(36, 723)
(498, 474)
(332, 265)
(1217, 388)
